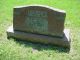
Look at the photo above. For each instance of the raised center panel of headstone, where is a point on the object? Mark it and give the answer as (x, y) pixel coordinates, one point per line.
(36, 21)
(39, 20)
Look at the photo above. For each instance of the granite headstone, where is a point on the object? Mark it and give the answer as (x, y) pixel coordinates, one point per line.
(39, 23)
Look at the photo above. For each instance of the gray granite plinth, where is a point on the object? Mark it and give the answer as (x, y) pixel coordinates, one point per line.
(64, 41)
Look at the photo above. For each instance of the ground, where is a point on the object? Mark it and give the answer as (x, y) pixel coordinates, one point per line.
(10, 49)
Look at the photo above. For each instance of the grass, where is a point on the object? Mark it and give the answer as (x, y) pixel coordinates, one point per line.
(19, 50)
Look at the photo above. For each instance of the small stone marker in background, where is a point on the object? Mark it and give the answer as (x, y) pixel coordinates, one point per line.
(39, 23)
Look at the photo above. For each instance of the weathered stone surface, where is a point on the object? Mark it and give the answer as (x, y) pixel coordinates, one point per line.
(64, 41)
(39, 19)
(38, 23)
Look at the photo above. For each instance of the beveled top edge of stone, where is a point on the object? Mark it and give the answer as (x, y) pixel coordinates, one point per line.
(44, 6)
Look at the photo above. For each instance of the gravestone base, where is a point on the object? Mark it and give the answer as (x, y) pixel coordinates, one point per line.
(64, 41)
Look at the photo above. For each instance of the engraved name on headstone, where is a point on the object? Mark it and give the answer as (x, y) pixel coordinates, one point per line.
(36, 21)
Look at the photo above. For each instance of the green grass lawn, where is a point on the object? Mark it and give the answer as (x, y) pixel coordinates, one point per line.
(21, 50)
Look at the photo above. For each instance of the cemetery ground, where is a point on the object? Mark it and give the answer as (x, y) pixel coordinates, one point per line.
(11, 49)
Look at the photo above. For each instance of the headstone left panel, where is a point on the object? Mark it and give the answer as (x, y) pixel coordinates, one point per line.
(18, 18)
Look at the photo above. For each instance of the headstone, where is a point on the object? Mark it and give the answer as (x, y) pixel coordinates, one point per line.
(39, 23)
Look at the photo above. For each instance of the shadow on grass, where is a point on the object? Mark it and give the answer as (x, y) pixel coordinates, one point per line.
(41, 47)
